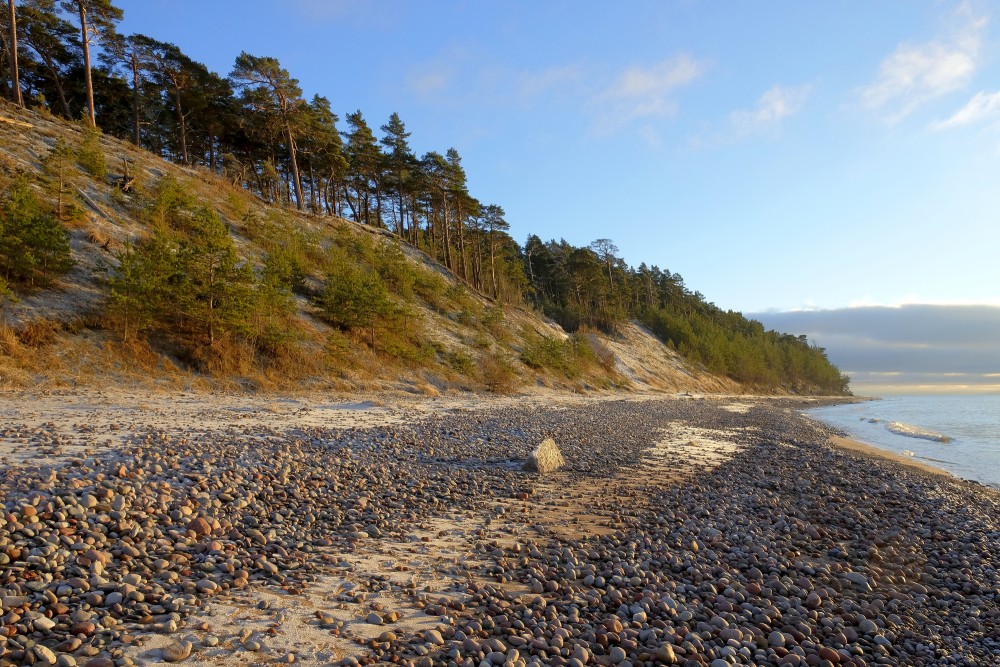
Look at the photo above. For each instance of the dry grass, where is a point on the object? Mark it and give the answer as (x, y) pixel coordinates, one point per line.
(29, 356)
(98, 237)
(37, 333)
(497, 373)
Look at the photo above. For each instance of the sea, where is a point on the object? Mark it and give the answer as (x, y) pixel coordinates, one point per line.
(960, 434)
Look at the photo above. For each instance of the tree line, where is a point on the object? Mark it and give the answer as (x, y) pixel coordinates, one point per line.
(255, 127)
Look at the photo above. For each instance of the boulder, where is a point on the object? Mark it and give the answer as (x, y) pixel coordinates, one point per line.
(545, 458)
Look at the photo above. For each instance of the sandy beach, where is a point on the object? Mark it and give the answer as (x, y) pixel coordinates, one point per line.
(232, 529)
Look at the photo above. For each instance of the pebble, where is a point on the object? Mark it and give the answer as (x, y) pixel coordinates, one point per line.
(176, 651)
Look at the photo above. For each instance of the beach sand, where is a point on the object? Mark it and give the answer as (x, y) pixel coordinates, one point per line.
(865, 449)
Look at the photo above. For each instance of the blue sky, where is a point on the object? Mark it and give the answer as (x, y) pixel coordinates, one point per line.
(780, 156)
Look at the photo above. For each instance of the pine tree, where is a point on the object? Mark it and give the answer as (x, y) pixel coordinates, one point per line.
(214, 289)
(399, 162)
(131, 300)
(97, 19)
(34, 248)
(264, 81)
(55, 43)
(364, 161)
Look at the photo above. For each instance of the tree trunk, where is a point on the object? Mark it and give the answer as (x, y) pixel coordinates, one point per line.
(57, 80)
(295, 165)
(135, 100)
(181, 125)
(355, 209)
(493, 265)
(312, 188)
(463, 266)
(85, 43)
(14, 76)
(447, 237)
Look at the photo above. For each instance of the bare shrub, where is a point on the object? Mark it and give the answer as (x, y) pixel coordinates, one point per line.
(497, 373)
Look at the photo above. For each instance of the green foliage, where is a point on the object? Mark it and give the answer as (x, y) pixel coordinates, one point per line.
(59, 160)
(274, 303)
(394, 269)
(459, 361)
(728, 344)
(130, 299)
(283, 269)
(170, 205)
(431, 287)
(6, 295)
(214, 290)
(567, 357)
(590, 287)
(34, 247)
(187, 282)
(494, 321)
(90, 155)
(354, 298)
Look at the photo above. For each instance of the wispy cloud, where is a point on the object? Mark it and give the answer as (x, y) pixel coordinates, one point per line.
(643, 92)
(773, 106)
(430, 79)
(915, 74)
(982, 106)
(776, 104)
(532, 85)
(465, 75)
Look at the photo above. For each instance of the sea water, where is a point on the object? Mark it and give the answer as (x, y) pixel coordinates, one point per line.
(960, 434)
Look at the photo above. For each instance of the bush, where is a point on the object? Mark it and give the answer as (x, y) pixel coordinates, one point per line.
(494, 321)
(90, 155)
(34, 247)
(460, 362)
(569, 357)
(394, 269)
(497, 373)
(170, 205)
(431, 287)
(356, 299)
(191, 284)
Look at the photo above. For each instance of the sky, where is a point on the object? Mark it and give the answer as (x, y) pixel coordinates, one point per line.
(782, 156)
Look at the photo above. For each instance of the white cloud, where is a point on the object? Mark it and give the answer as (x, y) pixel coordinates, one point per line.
(646, 92)
(776, 104)
(430, 81)
(915, 74)
(983, 105)
(530, 85)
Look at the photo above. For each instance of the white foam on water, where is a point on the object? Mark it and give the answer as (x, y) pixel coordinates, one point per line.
(911, 431)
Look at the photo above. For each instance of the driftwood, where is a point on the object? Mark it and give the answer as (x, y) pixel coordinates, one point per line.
(92, 203)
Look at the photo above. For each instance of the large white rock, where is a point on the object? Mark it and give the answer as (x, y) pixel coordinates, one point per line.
(545, 458)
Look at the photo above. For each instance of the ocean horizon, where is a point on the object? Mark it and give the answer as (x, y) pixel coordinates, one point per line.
(959, 434)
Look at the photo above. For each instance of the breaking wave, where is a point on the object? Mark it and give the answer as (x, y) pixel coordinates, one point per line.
(910, 431)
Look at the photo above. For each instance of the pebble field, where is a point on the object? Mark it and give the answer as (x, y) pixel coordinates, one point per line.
(701, 532)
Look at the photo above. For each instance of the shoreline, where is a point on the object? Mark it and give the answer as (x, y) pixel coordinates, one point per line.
(873, 451)
(345, 533)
